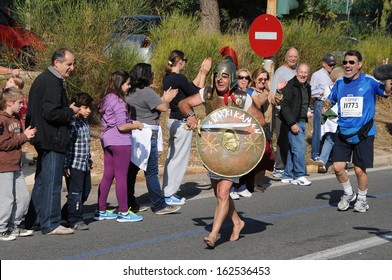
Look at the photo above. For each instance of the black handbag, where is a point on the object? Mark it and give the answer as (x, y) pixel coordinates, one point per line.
(267, 132)
(357, 136)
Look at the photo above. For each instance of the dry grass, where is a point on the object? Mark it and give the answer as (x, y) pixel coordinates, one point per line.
(384, 126)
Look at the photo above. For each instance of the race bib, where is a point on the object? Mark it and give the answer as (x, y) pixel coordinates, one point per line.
(351, 106)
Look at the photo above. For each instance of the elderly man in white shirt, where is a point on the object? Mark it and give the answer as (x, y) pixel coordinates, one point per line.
(281, 76)
(319, 81)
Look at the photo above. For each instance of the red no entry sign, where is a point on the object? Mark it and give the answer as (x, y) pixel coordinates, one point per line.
(265, 35)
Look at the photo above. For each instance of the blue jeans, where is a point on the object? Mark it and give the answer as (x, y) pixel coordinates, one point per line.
(327, 147)
(79, 187)
(295, 166)
(45, 205)
(316, 141)
(152, 179)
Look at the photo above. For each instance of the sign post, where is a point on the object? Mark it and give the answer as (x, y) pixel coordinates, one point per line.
(271, 7)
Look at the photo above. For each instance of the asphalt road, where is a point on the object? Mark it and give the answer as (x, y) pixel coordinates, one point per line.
(285, 222)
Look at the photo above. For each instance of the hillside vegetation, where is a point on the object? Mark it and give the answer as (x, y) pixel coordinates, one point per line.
(86, 27)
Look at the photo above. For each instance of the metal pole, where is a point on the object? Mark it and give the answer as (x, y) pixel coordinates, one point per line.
(271, 7)
(269, 64)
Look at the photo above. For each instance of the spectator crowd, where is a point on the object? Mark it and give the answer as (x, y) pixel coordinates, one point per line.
(338, 98)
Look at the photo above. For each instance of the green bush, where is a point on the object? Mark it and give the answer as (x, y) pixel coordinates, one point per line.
(182, 32)
(313, 41)
(84, 26)
(375, 48)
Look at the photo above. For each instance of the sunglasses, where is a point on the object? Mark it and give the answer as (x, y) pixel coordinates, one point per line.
(352, 62)
(262, 80)
(332, 65)
(185, 59)
(243, 77)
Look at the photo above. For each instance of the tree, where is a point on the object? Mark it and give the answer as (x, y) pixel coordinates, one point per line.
(210, 19)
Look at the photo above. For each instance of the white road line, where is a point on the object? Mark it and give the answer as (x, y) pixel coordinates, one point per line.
(349, 248)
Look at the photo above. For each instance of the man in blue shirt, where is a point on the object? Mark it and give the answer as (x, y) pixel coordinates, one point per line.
(355, 95)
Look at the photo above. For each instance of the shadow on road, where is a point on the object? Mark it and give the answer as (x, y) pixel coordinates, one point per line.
(382, 233)
(333, 196)
(251, 226)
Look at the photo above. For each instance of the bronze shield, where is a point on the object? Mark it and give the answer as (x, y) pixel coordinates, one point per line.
(230, 151)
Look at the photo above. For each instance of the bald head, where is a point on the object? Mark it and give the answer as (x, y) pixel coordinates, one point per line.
(302, 73)
(291, 57)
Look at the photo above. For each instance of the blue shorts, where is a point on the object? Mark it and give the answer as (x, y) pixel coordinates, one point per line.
(362, 153)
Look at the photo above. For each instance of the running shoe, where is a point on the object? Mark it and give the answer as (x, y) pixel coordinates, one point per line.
(128, 217)
(105, 215)
(345, 200)
(361, 206)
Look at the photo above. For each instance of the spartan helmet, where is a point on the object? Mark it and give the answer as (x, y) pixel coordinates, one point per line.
(226, 66)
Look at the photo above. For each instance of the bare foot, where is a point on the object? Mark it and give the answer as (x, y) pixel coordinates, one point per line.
(210, 242)
(236, 231)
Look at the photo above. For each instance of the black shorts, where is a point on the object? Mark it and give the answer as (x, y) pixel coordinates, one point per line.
(362, 153)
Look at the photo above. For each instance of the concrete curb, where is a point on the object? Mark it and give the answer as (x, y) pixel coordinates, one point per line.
(29, 173)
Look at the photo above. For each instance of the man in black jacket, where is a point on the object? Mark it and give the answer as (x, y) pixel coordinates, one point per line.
(49, 113)
(294, 114)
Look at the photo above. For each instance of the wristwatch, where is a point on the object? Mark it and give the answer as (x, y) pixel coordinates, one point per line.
(191, 114)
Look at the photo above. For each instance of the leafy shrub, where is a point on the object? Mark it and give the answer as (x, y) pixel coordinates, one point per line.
(84, 26)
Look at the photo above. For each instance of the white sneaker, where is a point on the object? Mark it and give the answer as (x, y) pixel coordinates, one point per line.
(234, 195)
(244, 193)
(361, 206)
(301, 181)
(277, 174)
(345, 200)
(21, 232)
(286, 180)
(175, 200)
(6, 236)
